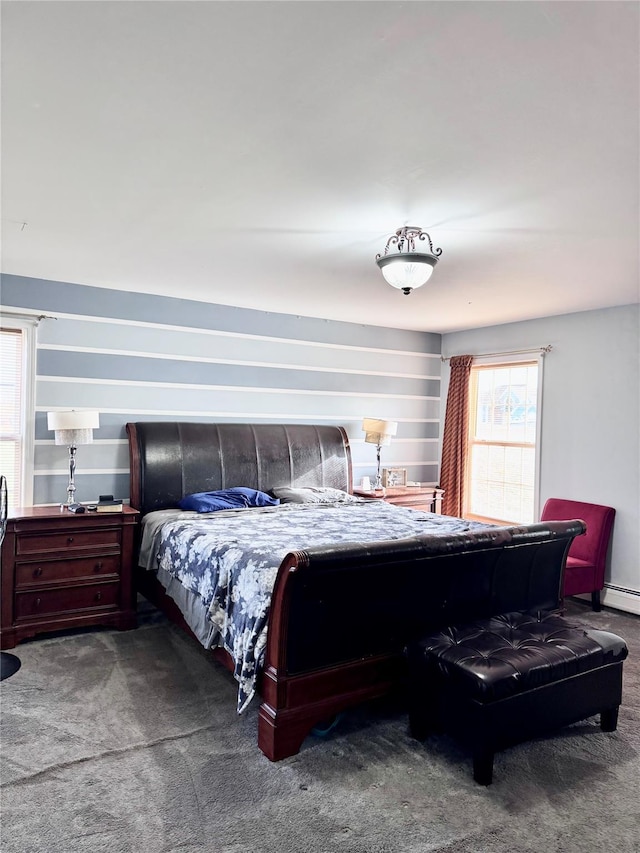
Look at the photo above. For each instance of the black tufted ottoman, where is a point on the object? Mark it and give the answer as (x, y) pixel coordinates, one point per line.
(498, 681)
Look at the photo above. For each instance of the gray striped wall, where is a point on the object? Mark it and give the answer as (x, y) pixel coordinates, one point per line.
(135, 356)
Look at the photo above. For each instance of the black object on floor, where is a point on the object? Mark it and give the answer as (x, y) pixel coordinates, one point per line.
(9, 666)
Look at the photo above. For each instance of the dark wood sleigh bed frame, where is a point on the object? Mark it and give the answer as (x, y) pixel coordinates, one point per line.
(340, 616)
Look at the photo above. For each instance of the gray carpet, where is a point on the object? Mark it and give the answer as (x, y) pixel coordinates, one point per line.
(130, 742)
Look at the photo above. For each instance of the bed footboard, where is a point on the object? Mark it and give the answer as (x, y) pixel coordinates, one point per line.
(340, 618)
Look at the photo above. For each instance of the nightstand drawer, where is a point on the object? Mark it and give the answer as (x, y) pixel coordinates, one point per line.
(411, 505)
(47, 542)
(30, 605)
(412, 502)
(56, 571)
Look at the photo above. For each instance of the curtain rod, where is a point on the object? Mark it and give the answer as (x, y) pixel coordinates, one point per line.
(548, 348)
(24, 314)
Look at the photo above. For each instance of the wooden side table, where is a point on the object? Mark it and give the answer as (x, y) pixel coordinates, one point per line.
(65, 570)
(423, 497)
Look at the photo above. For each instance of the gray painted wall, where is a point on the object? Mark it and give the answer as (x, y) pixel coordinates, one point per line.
(590, 444)
(135, 356)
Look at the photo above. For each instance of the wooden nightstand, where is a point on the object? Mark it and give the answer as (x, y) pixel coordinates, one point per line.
(427, 498)
(65, 570)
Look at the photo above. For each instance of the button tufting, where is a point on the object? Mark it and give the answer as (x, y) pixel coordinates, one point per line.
(499, 661)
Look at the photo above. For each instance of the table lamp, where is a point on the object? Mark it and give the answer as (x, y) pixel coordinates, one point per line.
(378, 432)
(73, 428)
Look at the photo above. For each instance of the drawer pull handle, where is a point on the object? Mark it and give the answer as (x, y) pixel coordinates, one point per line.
(38, 600)
(69, 539)
(98, 596)
(37, 572)
(97, 567)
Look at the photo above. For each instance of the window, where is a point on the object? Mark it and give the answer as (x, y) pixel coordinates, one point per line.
(503, 442)
(16, 409)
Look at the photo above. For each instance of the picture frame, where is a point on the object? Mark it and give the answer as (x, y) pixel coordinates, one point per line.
(394, 477)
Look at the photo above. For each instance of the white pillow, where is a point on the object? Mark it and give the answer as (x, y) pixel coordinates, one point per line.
(314, 495)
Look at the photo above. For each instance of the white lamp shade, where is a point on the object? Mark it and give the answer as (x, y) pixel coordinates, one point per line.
(73, 420)
(408, 271)
(378, 431)
(73, 427)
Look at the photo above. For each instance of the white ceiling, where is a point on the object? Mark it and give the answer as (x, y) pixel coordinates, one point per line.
(259, 154)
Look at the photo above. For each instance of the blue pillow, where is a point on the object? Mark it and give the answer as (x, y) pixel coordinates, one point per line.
(236, 498)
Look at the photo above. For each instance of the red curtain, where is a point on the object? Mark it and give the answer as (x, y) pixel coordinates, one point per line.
(454, 441)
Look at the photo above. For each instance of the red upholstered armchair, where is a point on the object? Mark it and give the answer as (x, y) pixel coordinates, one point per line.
(588, 553)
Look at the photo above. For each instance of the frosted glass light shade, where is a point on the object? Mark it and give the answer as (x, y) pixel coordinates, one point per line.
(407, 270)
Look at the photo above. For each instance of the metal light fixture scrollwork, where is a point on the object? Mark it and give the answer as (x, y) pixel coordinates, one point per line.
(406, 269)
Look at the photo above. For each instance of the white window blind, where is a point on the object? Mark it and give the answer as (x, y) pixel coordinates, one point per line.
(502, 450)
(17, 405)
(12, 405)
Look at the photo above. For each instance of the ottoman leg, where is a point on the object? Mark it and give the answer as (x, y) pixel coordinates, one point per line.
(420, 723)
(609, 719)
(483, 766)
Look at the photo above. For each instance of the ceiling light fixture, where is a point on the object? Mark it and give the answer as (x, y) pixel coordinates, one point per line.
(407, 269)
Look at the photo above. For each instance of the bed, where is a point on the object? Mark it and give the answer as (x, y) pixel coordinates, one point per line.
(310, 601)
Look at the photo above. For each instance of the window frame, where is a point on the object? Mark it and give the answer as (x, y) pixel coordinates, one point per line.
(27, 326)
(515, 360)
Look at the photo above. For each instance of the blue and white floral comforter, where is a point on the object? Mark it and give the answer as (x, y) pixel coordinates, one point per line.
(230, 560)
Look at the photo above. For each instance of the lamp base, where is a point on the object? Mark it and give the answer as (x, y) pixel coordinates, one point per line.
(71, 487)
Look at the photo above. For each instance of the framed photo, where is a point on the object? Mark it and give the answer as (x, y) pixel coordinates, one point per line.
(394, 477)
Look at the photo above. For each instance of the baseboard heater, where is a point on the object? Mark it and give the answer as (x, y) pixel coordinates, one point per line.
(621, 598)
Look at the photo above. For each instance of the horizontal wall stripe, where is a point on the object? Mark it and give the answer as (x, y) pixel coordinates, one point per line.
(99, 454)
(44, 472)
(50, 486)
(237, 389)
(92, 472)
(125, 502)
(238, 362)
(115, 455)
(137, 414)
(85, 472)
(228, 401)
(409, 464)
(195, 330)
(89, 486)
(123, 442)
(115, 368)
(55, 297)
(80, 336)
(395, 455)
(396, 440)
(112, 425)
(403, 463)
(56, 472)
(416, 430)
(416, 471)
(105, 457)
(114, 325)
(119, 441)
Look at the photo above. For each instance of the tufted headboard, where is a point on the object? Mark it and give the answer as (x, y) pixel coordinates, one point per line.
(170, 459)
